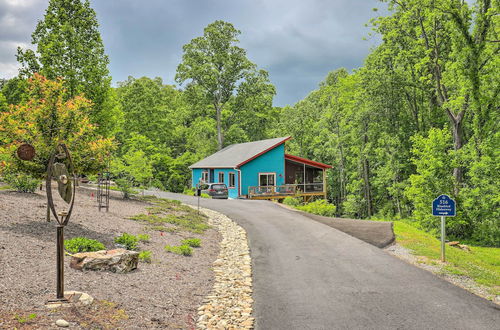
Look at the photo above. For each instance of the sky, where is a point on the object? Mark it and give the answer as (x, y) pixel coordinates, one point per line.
(298, 42)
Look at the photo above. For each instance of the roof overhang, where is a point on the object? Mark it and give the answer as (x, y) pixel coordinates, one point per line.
(307, 162)
(263, 152)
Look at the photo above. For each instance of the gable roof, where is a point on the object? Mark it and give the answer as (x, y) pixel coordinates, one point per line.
(236, 155)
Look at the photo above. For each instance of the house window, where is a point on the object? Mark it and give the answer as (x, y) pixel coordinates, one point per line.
(204, 176)
(232, 180)
(221, 177)
(267, 179)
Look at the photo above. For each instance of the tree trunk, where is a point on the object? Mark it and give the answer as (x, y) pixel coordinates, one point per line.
(366, 179)
(220, 139)
(458, 137)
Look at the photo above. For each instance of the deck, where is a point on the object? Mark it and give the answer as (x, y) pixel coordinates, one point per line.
(307, 191)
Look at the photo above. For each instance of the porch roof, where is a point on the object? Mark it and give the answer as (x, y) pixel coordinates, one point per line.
(307, 161)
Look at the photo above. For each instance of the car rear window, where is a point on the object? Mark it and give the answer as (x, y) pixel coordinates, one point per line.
(219, 186)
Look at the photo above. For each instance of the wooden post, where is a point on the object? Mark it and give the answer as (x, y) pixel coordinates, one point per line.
(324, 183)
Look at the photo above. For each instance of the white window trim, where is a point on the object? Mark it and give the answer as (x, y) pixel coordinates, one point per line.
(229, 180)
(222, 177)
(204, 176)
(268, 173)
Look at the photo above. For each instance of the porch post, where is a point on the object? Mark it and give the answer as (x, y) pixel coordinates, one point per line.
(324, 183)
(304, 178)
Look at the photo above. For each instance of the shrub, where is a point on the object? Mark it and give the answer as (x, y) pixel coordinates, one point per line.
(189, 191)
(291, 201)
(203, 195)
(128, 241)
(184, 250)
(23, 182)
(192, 242)
(320, 207)
(125, 187)
(145, 256)
(143, 237)
(82, 244)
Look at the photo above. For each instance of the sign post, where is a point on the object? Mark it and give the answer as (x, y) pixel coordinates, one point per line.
(443, 206)
(198, 193)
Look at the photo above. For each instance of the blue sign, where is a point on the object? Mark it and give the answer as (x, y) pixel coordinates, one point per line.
(443, 206)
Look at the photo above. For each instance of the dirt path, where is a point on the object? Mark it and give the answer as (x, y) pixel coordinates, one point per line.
(165, 293)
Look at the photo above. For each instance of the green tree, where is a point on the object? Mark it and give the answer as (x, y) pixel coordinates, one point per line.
(46, 119)
(69, 45)
(219, 69)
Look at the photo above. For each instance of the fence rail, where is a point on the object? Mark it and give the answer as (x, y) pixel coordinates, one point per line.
(285, 190)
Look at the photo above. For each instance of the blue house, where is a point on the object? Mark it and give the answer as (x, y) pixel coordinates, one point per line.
(261, 170)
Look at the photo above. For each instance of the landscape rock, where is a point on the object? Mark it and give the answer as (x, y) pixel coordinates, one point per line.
(464, 247)
(117, 260)
(229, 305)
(62, 323)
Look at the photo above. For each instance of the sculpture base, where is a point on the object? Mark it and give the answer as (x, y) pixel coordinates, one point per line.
(71, 298)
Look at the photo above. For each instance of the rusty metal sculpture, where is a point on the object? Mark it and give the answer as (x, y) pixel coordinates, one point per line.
(26, 152)
(103, 191)
(61, 169)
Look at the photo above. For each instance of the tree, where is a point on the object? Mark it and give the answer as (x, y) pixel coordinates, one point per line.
(69, 45)
(46, 119)
(456, 49)
(217, 67)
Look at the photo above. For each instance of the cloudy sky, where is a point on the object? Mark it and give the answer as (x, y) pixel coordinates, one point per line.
(297, 41)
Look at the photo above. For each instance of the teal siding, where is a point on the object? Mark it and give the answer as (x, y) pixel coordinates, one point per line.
(233, 192)
(196, 176)
(272, 161)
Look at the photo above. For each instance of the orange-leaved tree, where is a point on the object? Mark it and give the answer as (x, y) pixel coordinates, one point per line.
(47, 118)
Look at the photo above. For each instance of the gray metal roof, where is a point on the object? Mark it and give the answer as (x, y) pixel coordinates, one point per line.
(235, 154)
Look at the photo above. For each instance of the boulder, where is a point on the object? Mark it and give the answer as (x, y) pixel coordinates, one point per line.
(117, 260)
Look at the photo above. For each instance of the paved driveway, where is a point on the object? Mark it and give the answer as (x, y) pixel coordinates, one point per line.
(310, 276)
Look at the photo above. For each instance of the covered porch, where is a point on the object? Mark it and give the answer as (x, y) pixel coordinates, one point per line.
(303, 177)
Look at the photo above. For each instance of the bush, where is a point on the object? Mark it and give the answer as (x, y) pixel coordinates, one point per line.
(125, 187)
(189, 191)
(128, 241)
(145, 256)
(143, 237)
(184, 250)
(203, 195)
(192, 242)
(23, 182)
(319, 207)
(291, 201)
(82, 244)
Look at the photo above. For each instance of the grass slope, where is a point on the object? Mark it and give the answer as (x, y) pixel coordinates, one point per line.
(482, 264)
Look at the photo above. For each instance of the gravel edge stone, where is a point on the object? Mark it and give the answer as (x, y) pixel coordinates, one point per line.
(229, 304)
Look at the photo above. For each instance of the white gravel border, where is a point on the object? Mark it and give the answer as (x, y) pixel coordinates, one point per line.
(229, 305)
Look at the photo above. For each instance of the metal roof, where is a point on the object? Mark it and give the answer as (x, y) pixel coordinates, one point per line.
(236, 155)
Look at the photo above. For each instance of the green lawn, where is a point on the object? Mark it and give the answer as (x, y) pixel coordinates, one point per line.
(481, 264)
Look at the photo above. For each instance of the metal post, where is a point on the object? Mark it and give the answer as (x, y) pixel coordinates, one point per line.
(443, 237)
(60, 262)
(198, 204)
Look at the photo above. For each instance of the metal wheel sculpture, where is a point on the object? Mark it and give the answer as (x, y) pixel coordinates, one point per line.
(61, 169)
(103, 191)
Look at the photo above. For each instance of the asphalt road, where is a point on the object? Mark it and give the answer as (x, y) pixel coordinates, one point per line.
(310, 276)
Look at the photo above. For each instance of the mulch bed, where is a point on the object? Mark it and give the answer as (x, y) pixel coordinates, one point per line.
(162, 294)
